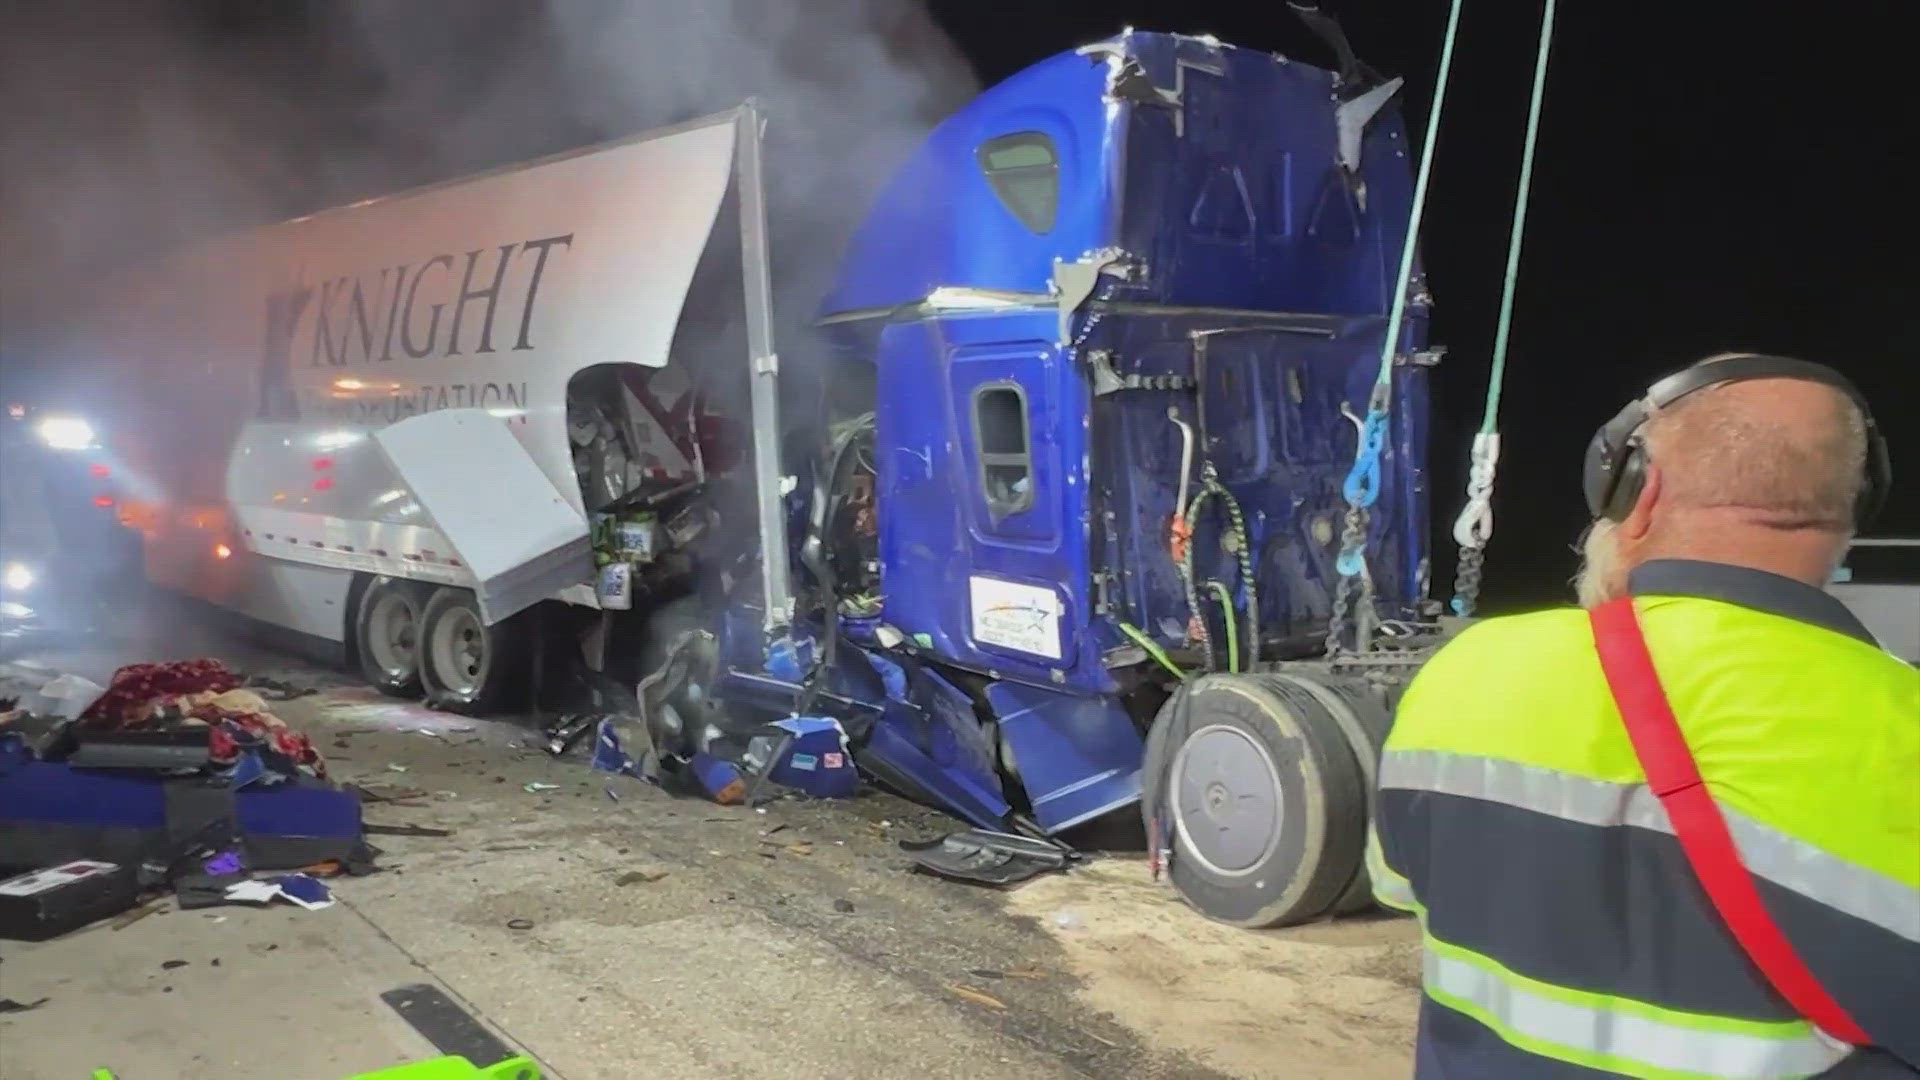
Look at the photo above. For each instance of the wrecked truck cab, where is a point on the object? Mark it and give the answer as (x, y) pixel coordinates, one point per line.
(1122, 313)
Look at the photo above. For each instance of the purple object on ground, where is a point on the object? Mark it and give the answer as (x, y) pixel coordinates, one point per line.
(227, 862)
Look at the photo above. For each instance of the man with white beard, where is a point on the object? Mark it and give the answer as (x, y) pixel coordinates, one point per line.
(1675, 832)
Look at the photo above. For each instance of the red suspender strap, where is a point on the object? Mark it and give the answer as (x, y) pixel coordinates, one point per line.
(1673, 776)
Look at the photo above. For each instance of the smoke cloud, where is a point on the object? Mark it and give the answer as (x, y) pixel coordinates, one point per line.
(132, 126)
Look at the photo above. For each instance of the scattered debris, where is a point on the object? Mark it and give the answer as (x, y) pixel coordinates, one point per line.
(279, 689)
(519, 924)
(978, 998)
(173, 964)
(536, 787)
(511, 847)
(639, 877)
(65, 698)
(379, 794)
(429, 733)
(298, 889)
(56, 900)
(612, 794)
(771, 829)
(988, 858)
(372, 829)
(8, 1005)
(1067, 920)
(170, 709)
(719, 779)
(987, 973)
(396, 768)
(844, 907)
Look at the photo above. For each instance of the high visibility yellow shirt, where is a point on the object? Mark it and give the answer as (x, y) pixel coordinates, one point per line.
(1565, 933)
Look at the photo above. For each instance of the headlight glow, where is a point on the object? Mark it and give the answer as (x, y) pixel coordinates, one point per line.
(66, 433)
(17, 577)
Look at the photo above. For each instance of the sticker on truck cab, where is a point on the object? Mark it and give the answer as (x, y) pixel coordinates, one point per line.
(1025, 618)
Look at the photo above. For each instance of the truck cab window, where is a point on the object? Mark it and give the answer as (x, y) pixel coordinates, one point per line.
(1005, 447)
(1025, 173)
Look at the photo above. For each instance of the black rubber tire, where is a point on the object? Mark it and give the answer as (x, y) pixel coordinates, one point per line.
(1364, 720)
(497, 683)
(1316, 836)
(386, 677)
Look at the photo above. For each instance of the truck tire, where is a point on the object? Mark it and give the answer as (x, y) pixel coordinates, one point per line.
(467, 666)
(1364, 720)
(386, 637)
(1265, 801)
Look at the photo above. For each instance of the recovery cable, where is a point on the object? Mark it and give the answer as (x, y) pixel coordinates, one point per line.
(1362, 487)
(1474, 527)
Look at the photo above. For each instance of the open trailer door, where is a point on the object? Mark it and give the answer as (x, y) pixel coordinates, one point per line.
(501, 489)
(520, 537)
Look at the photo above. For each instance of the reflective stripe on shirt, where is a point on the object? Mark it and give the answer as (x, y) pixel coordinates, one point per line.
(1784, 860)
(1615, 1034)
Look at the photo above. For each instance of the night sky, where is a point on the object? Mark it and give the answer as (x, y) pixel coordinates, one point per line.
(1717, 175)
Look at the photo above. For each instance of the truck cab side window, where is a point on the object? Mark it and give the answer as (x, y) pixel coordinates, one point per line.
(1025, 173)
(1005, 448)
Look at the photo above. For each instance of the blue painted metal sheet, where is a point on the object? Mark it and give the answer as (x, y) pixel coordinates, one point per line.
(1274, 430)
(1078, 757)
(938, 223)
(1217, 169)
(937, 531)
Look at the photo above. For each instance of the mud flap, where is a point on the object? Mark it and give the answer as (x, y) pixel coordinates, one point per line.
(520, 537)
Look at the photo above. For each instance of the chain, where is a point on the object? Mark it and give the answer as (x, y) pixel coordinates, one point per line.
(1466, 581)
(1352, 540)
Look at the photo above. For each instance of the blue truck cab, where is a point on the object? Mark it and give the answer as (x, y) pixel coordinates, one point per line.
(1120, 317)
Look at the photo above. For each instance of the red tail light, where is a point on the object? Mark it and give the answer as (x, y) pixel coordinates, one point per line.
(101, 471)
(104, 502)
(323, 483)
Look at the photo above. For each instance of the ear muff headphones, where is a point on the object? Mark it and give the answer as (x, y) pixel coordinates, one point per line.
(1616, 465)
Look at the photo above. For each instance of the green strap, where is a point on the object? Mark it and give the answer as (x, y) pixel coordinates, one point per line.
(1151, 646)
(1490, 422)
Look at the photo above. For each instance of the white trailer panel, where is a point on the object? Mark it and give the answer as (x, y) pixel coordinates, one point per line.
(255, 369)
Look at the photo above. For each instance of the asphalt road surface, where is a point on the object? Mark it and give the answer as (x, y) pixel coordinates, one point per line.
(609, 930)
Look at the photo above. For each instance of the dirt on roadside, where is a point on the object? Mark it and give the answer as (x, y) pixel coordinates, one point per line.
(1331, 999)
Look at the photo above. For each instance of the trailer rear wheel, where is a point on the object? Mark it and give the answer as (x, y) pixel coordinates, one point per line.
(387, 635)
(467, 666)
(1265, 800)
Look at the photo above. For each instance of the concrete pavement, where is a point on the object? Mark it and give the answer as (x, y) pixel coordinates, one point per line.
(671, 936)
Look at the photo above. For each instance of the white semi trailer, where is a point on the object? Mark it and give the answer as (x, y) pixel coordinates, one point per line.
(310, 416)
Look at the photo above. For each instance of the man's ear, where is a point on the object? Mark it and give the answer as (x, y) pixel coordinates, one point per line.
(1640, 518)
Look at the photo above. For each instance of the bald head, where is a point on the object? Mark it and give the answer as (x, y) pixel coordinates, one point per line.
(1776, 453)
(1762, 473)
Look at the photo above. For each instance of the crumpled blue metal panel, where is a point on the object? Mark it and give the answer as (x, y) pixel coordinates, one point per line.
(938, 223)
(1078, 757)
